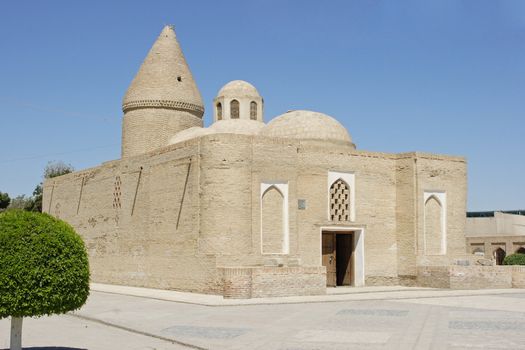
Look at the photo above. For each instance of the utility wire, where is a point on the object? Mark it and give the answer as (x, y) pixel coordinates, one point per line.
(56, 111)
(3, 161)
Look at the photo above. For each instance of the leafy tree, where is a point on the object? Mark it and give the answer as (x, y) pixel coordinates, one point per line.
(4, 200)
(35, 202)
(52, 169)
(21, 202)
(514, 259)
(44, 268)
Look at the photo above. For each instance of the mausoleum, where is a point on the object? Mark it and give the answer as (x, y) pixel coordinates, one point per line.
(253, 206)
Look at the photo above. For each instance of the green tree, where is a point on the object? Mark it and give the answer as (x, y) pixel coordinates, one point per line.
(52, 169)
(44, 268)
(21, 202)
(4, 200)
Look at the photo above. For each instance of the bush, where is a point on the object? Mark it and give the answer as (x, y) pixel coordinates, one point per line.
(514, 259)
(43, 265)
(4, 200)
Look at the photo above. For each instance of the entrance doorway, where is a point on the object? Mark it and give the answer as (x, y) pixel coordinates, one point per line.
(499, 254)
(337, 250)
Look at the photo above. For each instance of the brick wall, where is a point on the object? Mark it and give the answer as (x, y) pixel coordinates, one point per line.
(471, 277)
(260, 282)
(480, 277)
(193, 206)
(518, 276)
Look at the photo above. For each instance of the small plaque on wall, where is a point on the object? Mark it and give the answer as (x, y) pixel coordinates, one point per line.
(301, 204)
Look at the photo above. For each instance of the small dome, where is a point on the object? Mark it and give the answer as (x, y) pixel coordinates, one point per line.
(238, 89)
(189, 134)
(307, 125)
(237, 126)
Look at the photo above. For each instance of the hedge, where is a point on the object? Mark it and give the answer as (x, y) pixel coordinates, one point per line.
(514, 259)
(43, 265)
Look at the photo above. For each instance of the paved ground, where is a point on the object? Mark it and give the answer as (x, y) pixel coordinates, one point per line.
(389, 318)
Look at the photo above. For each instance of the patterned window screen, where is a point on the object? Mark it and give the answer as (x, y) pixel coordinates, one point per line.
(117, 193)
(339, 201)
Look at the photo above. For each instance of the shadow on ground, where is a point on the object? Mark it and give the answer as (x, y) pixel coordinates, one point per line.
(48, 348)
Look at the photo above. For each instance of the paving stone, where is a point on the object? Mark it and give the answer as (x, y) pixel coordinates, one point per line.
(374, 312)
(487, 325)
(205, 332)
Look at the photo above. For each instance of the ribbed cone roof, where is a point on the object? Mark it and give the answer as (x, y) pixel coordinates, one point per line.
(164, 80)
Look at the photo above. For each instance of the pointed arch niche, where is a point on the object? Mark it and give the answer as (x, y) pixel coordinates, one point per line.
(341, 196)
(274, 218)
(435, 225)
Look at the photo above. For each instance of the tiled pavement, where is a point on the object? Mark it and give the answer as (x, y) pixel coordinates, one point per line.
(414, 319)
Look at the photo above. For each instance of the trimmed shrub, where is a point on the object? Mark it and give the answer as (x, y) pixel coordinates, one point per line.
(43, 265)
(514, 259)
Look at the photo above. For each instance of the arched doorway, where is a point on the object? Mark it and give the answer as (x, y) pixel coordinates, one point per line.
(499, 255)
(521, 250)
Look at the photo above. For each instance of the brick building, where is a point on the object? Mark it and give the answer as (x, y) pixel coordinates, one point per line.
(495, 234)
(245, 208)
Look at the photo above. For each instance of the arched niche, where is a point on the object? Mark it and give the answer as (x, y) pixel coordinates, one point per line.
(274, 218)
(434, 228)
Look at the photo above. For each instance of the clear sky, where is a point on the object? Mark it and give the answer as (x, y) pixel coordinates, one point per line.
(437, 76)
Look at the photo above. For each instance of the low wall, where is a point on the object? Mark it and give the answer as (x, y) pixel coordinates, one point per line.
(433, 276)
(480, 277)
(518, 276)
(471, 277)
(260, 282)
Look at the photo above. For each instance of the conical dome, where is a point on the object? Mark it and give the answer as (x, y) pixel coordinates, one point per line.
(164, 79)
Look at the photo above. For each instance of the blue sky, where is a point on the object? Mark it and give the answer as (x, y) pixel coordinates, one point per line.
(438, 76)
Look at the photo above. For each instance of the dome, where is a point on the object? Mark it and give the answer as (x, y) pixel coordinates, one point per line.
(189, 134)
(307, 125)
(237, 126)
(238, 89)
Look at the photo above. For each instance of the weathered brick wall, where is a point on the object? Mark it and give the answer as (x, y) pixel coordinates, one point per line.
(518, 276)
(415, 174)
(471, 277)
(375, 198)
(236, 282)
(433, 276)
(480, 277)
(147, 129)
(436, 173)
(260, 282)
(150, 240)
(406, 225)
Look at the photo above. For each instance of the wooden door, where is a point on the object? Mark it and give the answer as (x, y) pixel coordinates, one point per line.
(329, 258)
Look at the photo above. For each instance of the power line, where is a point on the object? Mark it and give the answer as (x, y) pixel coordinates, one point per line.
(55, 111)
(55, 154)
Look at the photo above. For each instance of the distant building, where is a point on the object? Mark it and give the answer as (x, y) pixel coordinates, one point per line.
(495, 234)
(245, 208)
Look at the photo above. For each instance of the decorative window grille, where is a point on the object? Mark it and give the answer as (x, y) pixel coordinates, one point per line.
(117, 193)
(339, 201)
(234, 109)
(253, 110)
(219, 111)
